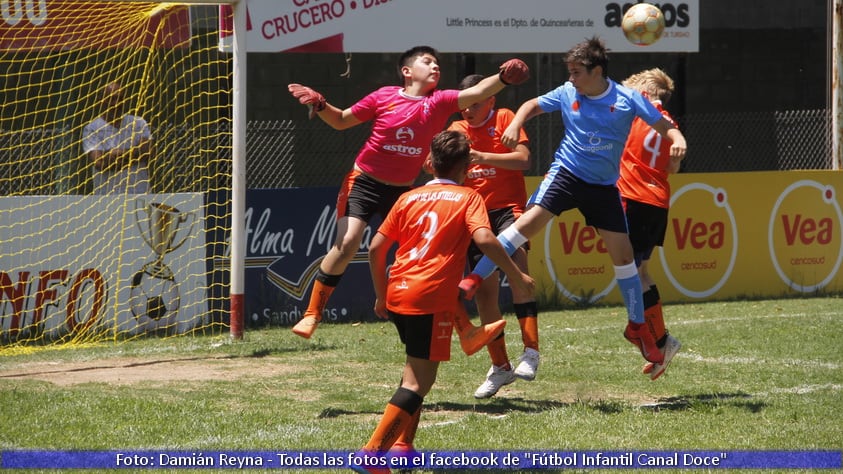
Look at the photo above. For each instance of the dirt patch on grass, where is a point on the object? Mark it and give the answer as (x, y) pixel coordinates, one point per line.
(127, 371)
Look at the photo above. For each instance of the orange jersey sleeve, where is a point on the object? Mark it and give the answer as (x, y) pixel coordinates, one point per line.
(433, 225)
(499, 187)
(643, 175)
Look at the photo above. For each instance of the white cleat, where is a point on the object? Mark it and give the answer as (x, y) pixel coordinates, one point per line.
(528, 364)
(671, 347)
(495, 379)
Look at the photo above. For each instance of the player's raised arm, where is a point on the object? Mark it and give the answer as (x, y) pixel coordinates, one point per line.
(518, 159)
(317, 105)
(666, 129)
(527, 111)
(512, 72)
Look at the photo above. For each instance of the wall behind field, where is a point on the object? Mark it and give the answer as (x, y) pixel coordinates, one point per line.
(754, 56)
(755, 97)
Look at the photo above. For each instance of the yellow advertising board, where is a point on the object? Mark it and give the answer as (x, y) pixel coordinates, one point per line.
(730, 235)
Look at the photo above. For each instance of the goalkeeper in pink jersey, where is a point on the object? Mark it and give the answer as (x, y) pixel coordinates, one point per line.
(405, 119)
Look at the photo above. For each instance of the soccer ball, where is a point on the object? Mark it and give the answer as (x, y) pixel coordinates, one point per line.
(154, 299)
(643, 24)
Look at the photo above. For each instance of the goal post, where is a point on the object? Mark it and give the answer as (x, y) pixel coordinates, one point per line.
(238, 204)
(86, 256)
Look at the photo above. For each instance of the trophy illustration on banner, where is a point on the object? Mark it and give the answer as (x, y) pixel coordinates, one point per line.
(154, 295)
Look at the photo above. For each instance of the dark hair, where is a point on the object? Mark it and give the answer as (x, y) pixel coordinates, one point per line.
(407, 57)
(470, 81)
(590, 53)
(448, 150)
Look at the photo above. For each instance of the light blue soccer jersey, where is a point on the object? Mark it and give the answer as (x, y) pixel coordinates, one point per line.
(596, 128)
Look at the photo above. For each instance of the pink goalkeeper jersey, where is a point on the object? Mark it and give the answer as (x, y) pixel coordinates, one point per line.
(402, 130)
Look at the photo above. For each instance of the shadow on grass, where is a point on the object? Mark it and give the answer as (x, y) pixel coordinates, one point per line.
(338, 412)
(496, 407)
(500, 406)
(707, 401)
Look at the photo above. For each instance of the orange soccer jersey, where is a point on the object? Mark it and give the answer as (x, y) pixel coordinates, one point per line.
(499, 187)
(643, 170)
(433, 225)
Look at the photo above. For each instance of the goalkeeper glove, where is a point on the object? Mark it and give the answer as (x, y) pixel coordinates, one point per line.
(314, 101)
(514, 72)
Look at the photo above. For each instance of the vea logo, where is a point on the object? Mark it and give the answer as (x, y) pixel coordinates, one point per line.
(577, 259)
(699, 253)
(580, 238)
(804, 238)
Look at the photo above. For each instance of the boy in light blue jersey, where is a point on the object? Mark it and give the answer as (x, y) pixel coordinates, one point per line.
(597, 113)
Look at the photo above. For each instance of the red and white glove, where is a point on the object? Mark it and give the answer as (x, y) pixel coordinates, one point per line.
(314, 101)
(514, 72)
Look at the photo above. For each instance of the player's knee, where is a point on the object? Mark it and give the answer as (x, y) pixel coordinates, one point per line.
(347, 250)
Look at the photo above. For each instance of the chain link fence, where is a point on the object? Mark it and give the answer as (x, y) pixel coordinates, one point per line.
(308, 153)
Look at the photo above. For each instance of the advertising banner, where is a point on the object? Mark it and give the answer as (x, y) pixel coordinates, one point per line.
(288, 232)
(730, 235)
(111, 264)
(476, 26)
(96, 262)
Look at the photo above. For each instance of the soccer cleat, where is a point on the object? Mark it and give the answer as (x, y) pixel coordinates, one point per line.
(476, 338)
(528, 364)
(369, 469)
(495, 379)
(639, 335)
(404, 450)
(671, 347)
(306, 327)
(369, 457)
(469, 285)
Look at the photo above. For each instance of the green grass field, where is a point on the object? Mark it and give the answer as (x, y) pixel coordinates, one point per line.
(756, 375)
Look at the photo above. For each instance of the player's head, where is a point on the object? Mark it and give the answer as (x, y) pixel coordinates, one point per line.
(654, 83)
(590, 54)
(407, 60)
(112, 92)
(477, 113)
(449, 155)
(112, 98)
(469, 81)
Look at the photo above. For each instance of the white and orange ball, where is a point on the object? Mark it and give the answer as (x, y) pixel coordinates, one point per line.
(643, 24)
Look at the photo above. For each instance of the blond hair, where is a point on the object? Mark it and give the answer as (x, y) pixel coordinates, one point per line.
(654, 83)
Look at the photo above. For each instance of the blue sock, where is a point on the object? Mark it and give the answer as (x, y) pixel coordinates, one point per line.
(630, 285)
(510, 239)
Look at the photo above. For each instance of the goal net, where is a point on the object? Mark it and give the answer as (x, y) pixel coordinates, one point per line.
(115, 172)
